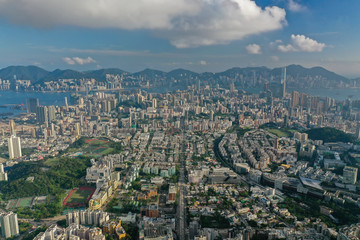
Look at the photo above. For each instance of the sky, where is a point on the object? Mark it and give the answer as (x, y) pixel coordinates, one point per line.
(199, 35)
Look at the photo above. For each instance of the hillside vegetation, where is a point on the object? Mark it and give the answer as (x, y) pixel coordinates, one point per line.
(65, 173)
(328, 134)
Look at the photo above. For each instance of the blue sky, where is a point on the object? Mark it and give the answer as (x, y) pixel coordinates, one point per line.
(199, 35)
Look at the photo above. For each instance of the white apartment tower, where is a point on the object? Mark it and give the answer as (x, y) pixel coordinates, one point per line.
(3, 174)
(9, 224)
(154, 103)
(358, 131)
(350, 175)
(14, 147)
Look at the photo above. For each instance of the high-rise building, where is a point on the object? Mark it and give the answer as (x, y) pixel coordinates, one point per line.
(232, 87)
(154, 103)
(32, 104)
(358, 131)
(174, 100)
(12, 128)
(87, 217)
(3, 174)
(283, 81)
(107, 130)
(42, 114)
(350, 175)
(66, 103)
(33, 132)
(269, 97)
(53, 131)
(303, 100)
(9, 224)
(52, 112)
(77, 130)
(14, 147)
(295, 99)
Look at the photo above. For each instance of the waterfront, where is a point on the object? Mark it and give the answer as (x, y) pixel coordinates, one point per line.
(12, 98)
(337, 94)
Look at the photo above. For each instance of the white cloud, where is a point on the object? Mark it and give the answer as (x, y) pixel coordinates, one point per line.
(186, 23)
(203, 63)
(275, 58)
(253, 49)
(301, 43)
(69, 61)
(287, 48)
(295, 7)
(275, 43)
(108, 52)
(223, 21)
(78, 60)
(82, 61)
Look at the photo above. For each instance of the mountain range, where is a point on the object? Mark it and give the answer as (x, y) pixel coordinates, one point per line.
(297, 76)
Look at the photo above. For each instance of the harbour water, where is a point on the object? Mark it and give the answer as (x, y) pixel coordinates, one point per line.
(337, 94)
(11, 99)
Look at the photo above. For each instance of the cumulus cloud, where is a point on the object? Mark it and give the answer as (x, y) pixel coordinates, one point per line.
(78, 60)
(69, 61)
(275, 58)
(203, 63)
(301, 43)
(295, 7)
(253, 49)
(223, 21)
(186, 23)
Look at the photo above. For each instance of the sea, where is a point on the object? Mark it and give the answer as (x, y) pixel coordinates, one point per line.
(11, 99)
(15, 102)
(337, 94)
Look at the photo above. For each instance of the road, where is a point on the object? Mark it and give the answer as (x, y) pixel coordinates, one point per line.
(181, 217)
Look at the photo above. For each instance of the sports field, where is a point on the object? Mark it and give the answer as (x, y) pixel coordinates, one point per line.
(28, 202)
(21, 202)
(78, 197)
(97, 146)
(280, 132)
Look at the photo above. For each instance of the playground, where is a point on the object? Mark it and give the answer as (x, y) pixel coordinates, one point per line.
(78, 197)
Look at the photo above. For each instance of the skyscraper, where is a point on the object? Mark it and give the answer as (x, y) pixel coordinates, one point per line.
(77, 130)
(154, 103)
(3, 174)
(42, 114)
(14, 147)
(283, 81)
(211, 115)
(31, 104)
(232, 87)
(350, 175)
(358, 131)
(66, 104)
(52, 112)
(9, 224)
(295, 99)
(53, 131)
(12, 128)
